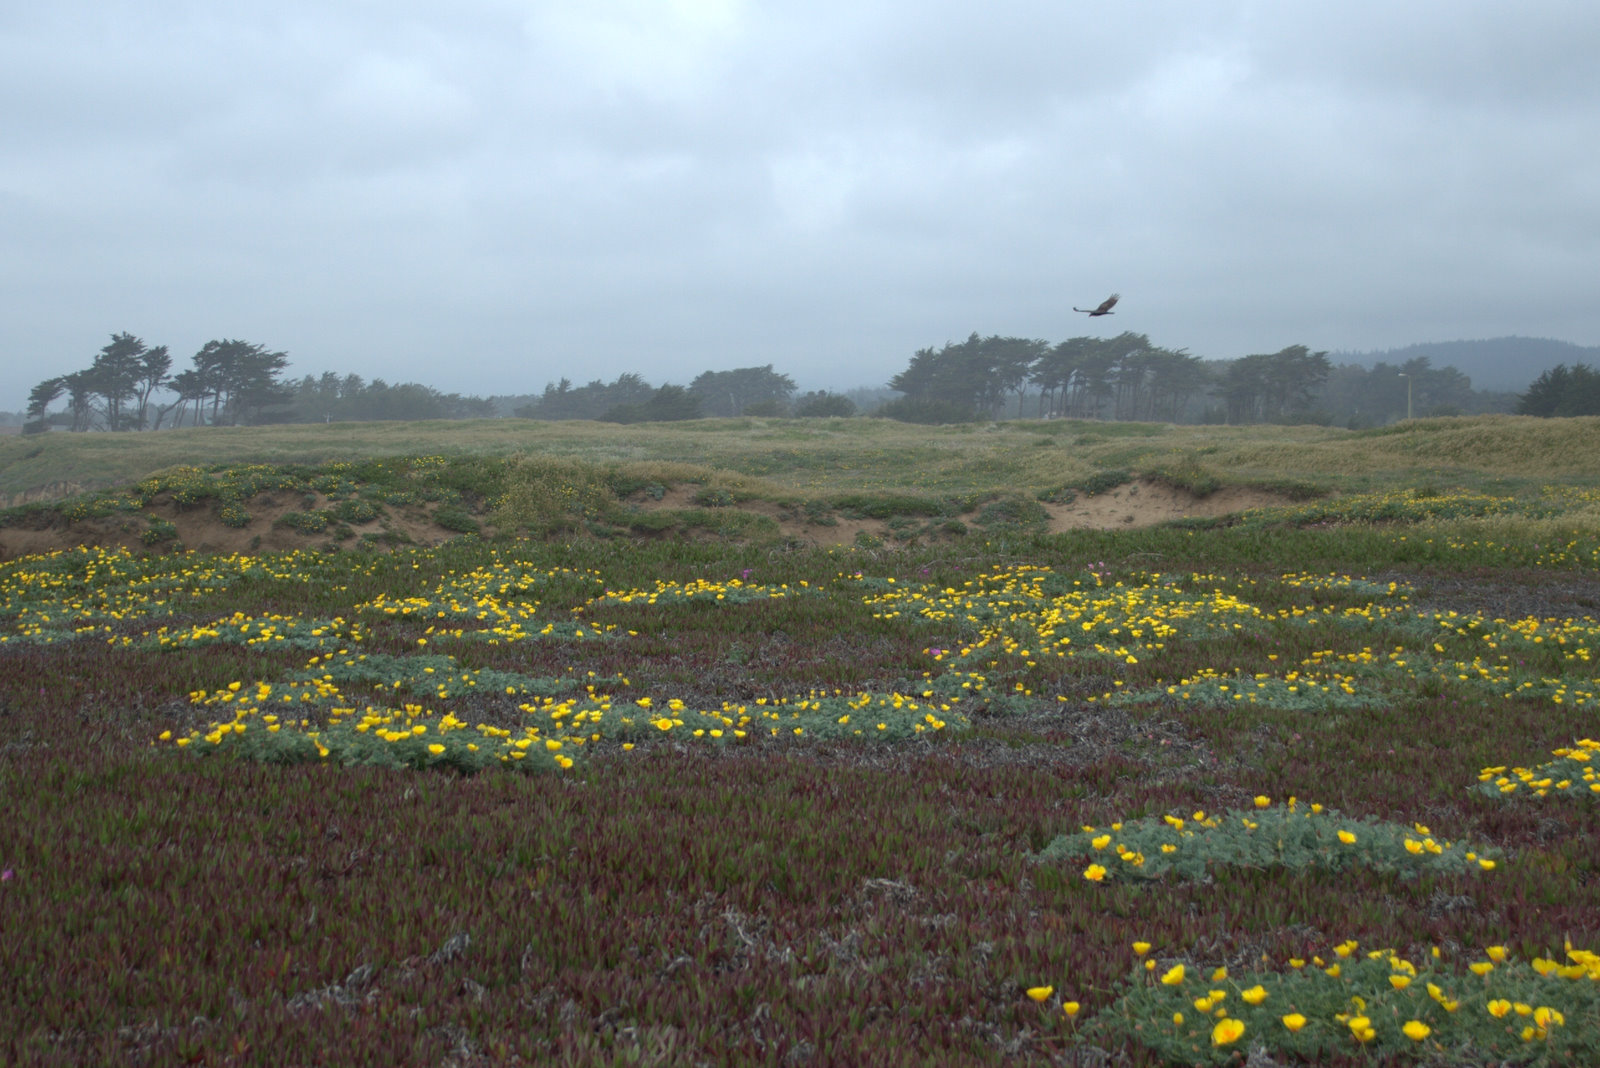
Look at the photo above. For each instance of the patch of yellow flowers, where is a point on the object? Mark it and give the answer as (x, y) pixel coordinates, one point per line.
(1287, 1002)
(1572, 773)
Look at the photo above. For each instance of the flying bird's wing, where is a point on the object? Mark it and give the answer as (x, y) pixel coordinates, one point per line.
(1104, 308)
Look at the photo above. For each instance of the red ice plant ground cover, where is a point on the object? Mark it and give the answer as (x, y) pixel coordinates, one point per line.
(834, 902)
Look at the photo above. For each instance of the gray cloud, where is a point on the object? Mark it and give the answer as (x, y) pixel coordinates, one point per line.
(490, 195)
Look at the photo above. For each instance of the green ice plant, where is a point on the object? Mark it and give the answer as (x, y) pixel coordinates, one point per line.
(1490, 1008)
(1291, 835)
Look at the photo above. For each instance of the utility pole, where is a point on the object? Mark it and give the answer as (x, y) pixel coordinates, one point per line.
(1408, 392)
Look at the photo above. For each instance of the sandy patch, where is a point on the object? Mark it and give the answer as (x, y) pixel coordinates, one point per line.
(1148, 504)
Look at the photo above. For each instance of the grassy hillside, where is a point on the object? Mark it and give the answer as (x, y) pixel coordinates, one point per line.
(831, 455)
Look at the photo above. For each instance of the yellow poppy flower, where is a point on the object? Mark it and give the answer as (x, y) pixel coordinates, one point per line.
(1227, 1030)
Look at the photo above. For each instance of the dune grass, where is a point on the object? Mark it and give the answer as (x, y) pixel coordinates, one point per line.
(841, 455)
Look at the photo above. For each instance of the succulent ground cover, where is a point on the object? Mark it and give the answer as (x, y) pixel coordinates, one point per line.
(610, 801)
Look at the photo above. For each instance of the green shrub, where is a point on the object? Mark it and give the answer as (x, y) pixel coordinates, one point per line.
(715, 497)
(356, 510)
(653, 522)
(1103, 482)
(455, 518)
(545, 495)
(1186, 474)
(822, 405)
(234, 514)
(1013, 511)
(160, 530)
(305, 522)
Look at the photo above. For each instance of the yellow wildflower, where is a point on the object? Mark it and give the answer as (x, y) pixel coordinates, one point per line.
(1227, 1030)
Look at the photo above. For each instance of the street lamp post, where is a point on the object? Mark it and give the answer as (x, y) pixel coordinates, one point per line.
(1408, 392)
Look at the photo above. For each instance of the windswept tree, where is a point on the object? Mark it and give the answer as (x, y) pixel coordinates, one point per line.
(1176, 379)
(241, 380)
(40, 398)
(151, 375)
(81, 391)
(563, 400)
(1152, 384)
(933, 374)
(113, 376)
(729, 393)
(1272, 387)
(1077, 377)
(974, 375)
(191, 388)
(667, 404)
(1009, 362)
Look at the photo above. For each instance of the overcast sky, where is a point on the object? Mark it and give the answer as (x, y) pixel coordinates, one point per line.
(485, 195)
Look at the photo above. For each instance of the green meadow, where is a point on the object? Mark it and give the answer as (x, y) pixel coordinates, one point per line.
(508, 743)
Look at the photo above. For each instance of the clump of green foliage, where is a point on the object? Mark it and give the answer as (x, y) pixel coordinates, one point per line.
(1374, 1005)
(160, 530)
(234, 514)
(1013, 511)
(357, 510)
(1289, 835)
(1185, 473)
(305, 522)
(547, 495)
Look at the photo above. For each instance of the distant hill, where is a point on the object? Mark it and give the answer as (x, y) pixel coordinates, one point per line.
(1500, 363)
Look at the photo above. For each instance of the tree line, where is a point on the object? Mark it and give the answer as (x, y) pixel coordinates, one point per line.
(229, 383)
(1128, 378)
(1563, 390)
(132, 386)
(712, 394)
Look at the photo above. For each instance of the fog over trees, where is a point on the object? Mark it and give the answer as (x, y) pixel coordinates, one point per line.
(1126, 377)
(131, 385)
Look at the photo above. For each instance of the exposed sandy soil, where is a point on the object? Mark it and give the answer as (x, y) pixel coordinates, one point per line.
(1148, 504)
(1136, 504)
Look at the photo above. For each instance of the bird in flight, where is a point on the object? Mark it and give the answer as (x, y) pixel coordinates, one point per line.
(1105, 307)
